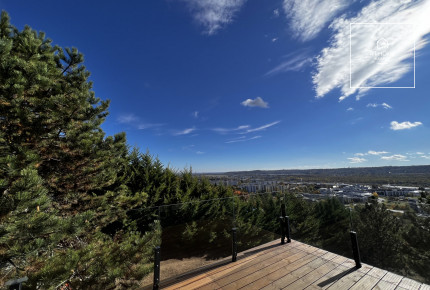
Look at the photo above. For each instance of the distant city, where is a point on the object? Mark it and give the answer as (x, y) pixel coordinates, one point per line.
(305, 184)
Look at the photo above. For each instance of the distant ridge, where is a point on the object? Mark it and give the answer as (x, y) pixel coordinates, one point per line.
(350, 171)
(416, 175)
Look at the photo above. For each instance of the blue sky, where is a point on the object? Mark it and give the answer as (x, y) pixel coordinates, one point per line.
(225, 85)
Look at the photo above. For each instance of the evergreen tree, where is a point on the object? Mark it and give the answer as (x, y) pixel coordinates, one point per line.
(47, 107)
(60, 178)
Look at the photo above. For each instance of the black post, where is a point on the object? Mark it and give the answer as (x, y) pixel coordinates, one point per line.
(156, 284)
(234, 248)
(282, 225)
(284, 221)
(283, 211)
(287, 225)
(355, 249)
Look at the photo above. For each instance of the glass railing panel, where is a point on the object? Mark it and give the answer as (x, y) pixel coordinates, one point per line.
(320, 220)
(394, 235)
(257, 219)
(195, 235)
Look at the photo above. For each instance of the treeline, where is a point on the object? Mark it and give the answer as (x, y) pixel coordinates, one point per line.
(71, 198)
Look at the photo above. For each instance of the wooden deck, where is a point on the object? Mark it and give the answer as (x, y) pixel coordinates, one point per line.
(295, 266)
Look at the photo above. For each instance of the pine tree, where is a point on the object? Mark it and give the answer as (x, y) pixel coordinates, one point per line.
(56, 166)
(47, 106)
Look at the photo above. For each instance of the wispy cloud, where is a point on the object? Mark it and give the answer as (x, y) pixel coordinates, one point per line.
(136, 122)
(308, 17)
(195, 114)
(214, 14)
(383, 105)
(242, 139)
(276, 13)
(257, 102)
(184, 132)
(404, 125)
(264, 127)
(127, 118)
(350, 109)
(244, 129)
(370, 152)
(368, 69)
(296, 61)
(356, 160)
(231, 130)
(396, 157)
(143, 126)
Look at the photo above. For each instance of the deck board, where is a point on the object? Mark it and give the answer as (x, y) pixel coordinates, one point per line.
(295, 266)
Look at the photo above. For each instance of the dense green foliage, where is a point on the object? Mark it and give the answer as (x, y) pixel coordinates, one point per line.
(79, 206)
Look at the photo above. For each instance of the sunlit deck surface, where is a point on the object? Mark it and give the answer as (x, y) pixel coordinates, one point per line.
(293, 266)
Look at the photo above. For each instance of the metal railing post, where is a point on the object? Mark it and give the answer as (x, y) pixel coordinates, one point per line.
(355, 249)
(284, 222)
(156, 284)
(282, 225)
(287, 228)
(234, 245)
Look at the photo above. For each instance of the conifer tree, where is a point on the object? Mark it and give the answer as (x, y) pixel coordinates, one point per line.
(57, 170)
(47, 106)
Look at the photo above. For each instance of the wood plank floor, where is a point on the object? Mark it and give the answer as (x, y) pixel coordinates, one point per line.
(295, 266)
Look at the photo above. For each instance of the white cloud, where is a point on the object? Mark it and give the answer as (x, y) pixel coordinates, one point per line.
(296, 61)
(127, 118)
(244, 129)
(396, 157)
(276, 13)
(404, 125)
(383, 105)
(184, 132)
(370, 152)
(257, 102)
(195, 114)
(309, 17)
(143, 126)
(136, 122)
(214, 14)
(200, 152)
(261, 127)
(243, 139)
(420, 153)
(333, 65)
(425, 156)
(356, 160)
(226, 130)
(350, 109)
(386, 106)
(274, 39)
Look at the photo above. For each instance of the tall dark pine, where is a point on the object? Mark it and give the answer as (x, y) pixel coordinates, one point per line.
(47, 107)
(53, 153)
